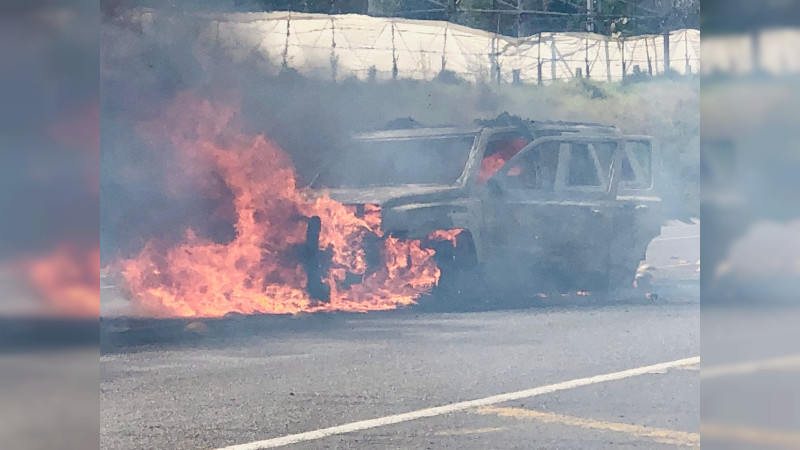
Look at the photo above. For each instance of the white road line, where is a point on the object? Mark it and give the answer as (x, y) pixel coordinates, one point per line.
(460, 406)
(750, 367)
(672, 266)
(676, 238)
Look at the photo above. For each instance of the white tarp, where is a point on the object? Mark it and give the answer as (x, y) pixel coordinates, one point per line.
(775, 51)
(342, 46)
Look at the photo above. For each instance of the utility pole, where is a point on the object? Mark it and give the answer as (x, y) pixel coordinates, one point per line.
(666, 24)
(598, 8)
(520, 6)
(590, 15)
(451, 11)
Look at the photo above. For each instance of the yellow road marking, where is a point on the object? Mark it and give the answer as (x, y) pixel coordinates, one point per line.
(734, 433)
(468, 431)
(660, 435)
(458, 406)
(787, 363)
(689, 367)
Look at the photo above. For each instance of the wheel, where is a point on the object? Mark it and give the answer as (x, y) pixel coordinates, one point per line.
(460, 280)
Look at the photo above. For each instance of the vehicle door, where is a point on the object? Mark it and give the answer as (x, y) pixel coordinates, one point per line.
(548, 207)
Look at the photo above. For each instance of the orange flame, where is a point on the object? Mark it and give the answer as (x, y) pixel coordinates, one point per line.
(494, 162)
(68, 279)
(445, 235)
(259, 271)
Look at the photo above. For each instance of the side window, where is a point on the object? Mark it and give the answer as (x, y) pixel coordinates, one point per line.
(535, 169)
(582, 170)
(498, 152)
(605, 154)
(627, 170)
(548, 165)
(636, 165)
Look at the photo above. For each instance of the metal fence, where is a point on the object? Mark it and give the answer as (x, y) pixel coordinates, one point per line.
(374, 48)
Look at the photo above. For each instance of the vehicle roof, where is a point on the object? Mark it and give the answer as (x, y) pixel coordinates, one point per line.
(439, 132)
(406, 133)
(575, 127)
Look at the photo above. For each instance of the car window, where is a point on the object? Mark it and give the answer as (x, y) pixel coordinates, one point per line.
(432, 161)
(582, 169)
(636, 165)
(498, 152)
(536, 169)
(605, 154)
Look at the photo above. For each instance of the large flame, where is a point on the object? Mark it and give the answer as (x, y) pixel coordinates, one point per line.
(67, 279)
(261, 269)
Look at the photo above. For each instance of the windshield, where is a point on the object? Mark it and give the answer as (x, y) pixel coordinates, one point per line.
(431, 161)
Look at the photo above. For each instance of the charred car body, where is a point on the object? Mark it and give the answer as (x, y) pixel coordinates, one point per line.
(550, 205)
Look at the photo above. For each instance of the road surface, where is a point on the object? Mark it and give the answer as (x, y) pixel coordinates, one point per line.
(554, 375)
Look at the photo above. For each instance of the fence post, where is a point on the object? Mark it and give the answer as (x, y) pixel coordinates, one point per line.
(394, 56)
(586, 57)
(494, 59)
(334, 61)
(539, 59)
(285, 63)
(622, 55)
(553, 73)
(655, 56)
(688, 68)
(444, 48)
(608, 62)
(666, 51)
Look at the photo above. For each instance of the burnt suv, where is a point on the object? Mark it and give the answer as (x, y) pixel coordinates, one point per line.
(548, 205)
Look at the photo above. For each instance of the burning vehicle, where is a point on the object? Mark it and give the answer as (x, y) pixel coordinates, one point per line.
(399, 212)
(548, 206)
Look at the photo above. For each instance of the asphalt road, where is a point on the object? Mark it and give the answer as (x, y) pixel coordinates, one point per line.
(241, 380)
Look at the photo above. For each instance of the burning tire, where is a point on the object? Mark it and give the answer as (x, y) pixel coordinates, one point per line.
(314, 262)
(457, 259)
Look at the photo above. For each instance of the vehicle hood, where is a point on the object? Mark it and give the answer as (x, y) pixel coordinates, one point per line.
(381, 194)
